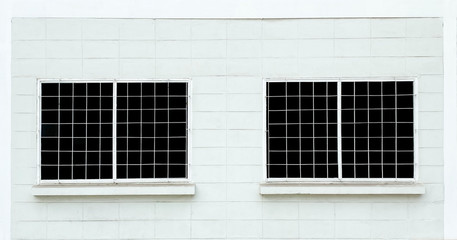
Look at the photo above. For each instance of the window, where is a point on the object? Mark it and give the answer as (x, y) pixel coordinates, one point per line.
(113, 131)
(340, 130)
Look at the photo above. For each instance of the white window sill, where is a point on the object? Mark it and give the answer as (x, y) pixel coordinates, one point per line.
(342, 188)
(157, 189)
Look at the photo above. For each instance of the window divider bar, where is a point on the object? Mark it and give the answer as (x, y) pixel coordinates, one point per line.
(339, 135)
(114, 135)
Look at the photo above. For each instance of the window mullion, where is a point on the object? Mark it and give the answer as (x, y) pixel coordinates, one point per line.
(340, 166)
(114, 135)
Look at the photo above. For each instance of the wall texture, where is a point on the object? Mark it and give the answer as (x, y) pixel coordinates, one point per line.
(227, 61)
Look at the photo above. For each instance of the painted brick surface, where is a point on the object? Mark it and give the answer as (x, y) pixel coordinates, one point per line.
(227, 61)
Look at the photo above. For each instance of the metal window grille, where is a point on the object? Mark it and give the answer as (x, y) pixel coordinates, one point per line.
(340, 129)
(113, 130)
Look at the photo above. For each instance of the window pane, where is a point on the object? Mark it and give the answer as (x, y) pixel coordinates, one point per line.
(154, 130)
(383, 134)
(301, 125)
(73, 140)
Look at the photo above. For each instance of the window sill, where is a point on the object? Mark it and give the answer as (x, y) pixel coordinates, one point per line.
(157, 189)
(342, 188)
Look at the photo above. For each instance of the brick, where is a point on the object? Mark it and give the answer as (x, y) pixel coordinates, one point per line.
(137, 29)
(352, 28)
(388, 27)
(280, 229)
(137, 49)
(352, 229)
(137, 68)
(64, 68)
(352, 47)
(208, 156)
(208, 229)
(28, 28)
(100, 68)
(101, 49)
(208, 120)
(316, 48)
(208, 211)
(316, 211)
(173, 67)
(244, 210)
(317, 229)
(244, 29)
(173, 229)
(173, 29)
(279, 29)
(424, 27)
(63, 29)
(65, 211)
(389, 211)
(209, 29)
(244, 48)
(173, 49)
(136, 230)
(101, 211)
(315, 28)
(244, 229)
(424, 47)
(280, 48)
(388, 47)
(28, 49)
(430, 138)
(107, 29)
(244, 156)
(244, 102)
(209, 49)
(209, 174)
(168, 211)
(100, 230)
(244, 120)
(207, 102)
(280, 210)
(244, 138)
(354, 211)
(247, 174)
(64, 230)
(136, 211)
(209, 85)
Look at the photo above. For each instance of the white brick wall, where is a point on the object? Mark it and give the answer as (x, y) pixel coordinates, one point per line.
(227, 60)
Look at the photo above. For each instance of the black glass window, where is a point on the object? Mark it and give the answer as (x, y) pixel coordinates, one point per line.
(77, 130)
(376, 129)
(302, 130)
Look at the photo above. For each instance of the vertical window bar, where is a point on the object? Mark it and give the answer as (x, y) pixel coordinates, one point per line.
(354, 126)
(368, 127)
(127, 137)
(85, 152)
(382, 129)
(314, 132)
(72, 126)
(58, 131)
(299, 129)
(168, 130)
(287, 142)
(339, 140)
(141, 130)
(326, 126)
(396, 127)
(100, 133)
(155, 124)
(114, 135)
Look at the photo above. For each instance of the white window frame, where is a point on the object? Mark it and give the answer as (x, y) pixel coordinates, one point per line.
(114, 180)
(340, 179)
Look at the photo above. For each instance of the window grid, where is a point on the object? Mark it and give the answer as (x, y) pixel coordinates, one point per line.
(408, 147)
(87, 151)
